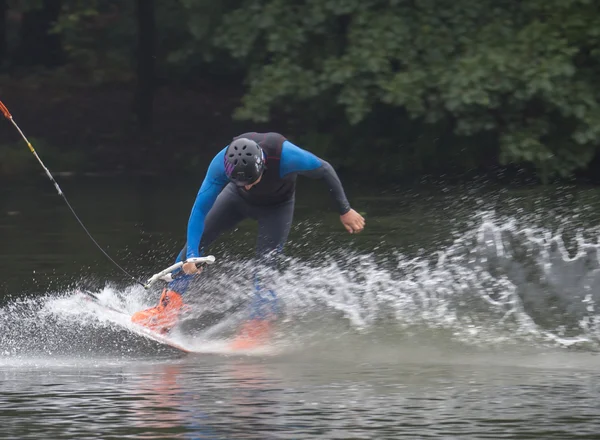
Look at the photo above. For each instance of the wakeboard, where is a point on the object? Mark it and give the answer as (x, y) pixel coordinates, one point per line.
(164, 275)
(243, 344)
(133, 327)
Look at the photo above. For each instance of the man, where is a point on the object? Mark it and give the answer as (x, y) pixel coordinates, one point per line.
(255, 177)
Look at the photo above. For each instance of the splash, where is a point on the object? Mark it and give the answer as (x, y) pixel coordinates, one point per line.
(66, 325)
(500, 282)
(497, 283)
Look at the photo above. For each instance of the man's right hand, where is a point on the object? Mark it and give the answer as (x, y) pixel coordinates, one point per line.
(353, 221)
(190, 269)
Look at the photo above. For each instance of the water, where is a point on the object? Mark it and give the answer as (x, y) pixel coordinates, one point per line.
(461, 312)
(298, 397)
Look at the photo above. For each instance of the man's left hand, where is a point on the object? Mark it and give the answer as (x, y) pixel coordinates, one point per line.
(353, 221)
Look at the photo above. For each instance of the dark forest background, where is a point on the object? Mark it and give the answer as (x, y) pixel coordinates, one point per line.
(395, 90)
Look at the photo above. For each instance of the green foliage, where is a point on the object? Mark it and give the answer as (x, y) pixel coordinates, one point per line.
(434, 85)
(98, 37)
(522, 71)
(195, 53)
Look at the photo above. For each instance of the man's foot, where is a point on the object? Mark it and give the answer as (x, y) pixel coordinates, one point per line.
(253, 333)
(164, 316)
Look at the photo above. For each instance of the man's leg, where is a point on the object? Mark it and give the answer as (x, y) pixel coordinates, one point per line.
(228, 210)
(274, 225)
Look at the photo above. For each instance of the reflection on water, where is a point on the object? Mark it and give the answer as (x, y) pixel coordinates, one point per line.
(221, 397)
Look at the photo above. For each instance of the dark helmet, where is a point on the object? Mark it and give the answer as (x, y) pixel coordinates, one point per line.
(244, 161)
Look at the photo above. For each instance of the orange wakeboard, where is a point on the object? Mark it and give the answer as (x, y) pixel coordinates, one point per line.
(136, 328)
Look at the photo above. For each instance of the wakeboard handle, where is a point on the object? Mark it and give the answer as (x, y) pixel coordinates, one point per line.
(166, 275)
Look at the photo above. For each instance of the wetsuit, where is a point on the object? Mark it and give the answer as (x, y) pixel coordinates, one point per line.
(220, 205)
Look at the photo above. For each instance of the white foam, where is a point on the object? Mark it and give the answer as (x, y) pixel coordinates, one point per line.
(497, 283)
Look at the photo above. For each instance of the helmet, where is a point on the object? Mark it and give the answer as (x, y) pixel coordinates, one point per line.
(244, 162)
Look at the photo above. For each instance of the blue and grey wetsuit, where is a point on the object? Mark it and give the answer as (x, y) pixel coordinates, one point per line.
(220, 205)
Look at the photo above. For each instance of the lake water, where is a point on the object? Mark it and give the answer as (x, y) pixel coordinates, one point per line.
(461, 312)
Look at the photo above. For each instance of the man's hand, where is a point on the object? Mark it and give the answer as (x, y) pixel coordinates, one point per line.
(190, 269)
(353, 221)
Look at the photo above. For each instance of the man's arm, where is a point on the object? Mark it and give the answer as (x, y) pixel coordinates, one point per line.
(297, 160)
(213, 184)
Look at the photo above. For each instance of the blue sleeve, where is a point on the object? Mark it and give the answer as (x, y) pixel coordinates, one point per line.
(297, 160)
(213, 184)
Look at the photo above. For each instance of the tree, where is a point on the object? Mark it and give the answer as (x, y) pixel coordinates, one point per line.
(522, 72)
(99, 38)
(37, 45)
(144, 95)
